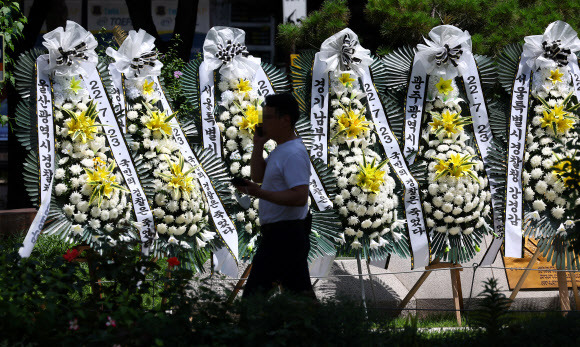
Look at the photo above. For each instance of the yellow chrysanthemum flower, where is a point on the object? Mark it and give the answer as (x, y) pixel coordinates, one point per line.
(158, 122)
(244, 86)
(564, 170)
(82, 126)
(555, 76)
(557, 119)
(75, 85)
(449, 122)
(251, 118)
(456, 166)
(444, 86)
(345, 79)
(148, 87)
(178, 180)
(371, 177)
(353, 123)
(102, 180)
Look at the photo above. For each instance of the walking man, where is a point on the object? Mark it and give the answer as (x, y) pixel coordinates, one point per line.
(282, 254)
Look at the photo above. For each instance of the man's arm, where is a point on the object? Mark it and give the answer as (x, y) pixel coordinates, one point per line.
(296, 196)
(257, 162)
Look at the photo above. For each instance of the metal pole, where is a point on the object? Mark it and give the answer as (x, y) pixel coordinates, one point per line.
(371, 279)
(362, 285)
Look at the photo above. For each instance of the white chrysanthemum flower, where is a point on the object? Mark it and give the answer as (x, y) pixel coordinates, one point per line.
(69, 209)
(75, 198)
(541, 187)
(558, 212)
(539, 205)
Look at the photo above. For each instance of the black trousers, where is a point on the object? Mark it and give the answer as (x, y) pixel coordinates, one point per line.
(282, 258)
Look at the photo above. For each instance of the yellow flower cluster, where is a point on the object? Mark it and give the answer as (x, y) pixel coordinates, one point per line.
(353, 123)
(178, 180)
(83, 126)
(456, 166)
(102, 180)
(370, 177)
(444, 86)
(564, 170)
(450, 123)
(159, 122)
(251, 118)
(558, 120)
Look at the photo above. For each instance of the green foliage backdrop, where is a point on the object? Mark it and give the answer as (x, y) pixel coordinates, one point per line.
(492, 23)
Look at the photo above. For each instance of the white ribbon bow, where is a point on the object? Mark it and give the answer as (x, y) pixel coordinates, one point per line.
(343, 53)
(137, 57)
(224, 48)
(67, 48)
(553, 48)
(443, 55)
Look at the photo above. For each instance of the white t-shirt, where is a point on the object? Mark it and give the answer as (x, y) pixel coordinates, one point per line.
(288, 166)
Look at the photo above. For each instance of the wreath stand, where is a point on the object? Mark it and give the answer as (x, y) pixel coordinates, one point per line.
(240, 285)
(564, 296)
(454, 269)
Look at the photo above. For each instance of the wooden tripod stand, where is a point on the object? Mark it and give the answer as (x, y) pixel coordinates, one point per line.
(454, 270)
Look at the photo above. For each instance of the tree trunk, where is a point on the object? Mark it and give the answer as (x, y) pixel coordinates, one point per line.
(185, 23)
(142, 18)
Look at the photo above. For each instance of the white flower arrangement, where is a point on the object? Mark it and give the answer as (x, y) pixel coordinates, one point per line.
(456, 199)
(180, 210)
(549, 125)
(365, 201)
(86, 181)
(239, 112)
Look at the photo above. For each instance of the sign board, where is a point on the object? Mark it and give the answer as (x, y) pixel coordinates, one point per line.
(536, 279)
(294, 10)
(107, 14)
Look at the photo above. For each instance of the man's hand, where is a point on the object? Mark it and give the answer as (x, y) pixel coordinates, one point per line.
(257, 162)
(250, 188)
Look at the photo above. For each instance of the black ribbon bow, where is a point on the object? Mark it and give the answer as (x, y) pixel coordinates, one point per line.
(449, 54)
(555, 52)
(147, 58)
(77, 52)
(347, 53)
(227, 53)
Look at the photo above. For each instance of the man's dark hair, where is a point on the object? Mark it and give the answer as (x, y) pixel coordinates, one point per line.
(284, 104)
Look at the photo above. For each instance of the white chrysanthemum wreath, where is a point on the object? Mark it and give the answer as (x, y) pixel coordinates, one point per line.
(179, 208)
(86, 180)
(240, 111)
(550, 125)
(366, 202)
(455, 201)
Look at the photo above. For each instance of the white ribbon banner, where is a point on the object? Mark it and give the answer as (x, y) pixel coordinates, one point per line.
(121, 154)
(414, 110)
(118, 98)
(483, 134)
(262, 84)
(413, 209)
(210, 132)
(45, 128)
(226, 258)
(516, 147)
(573, 62)
(319, 108)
